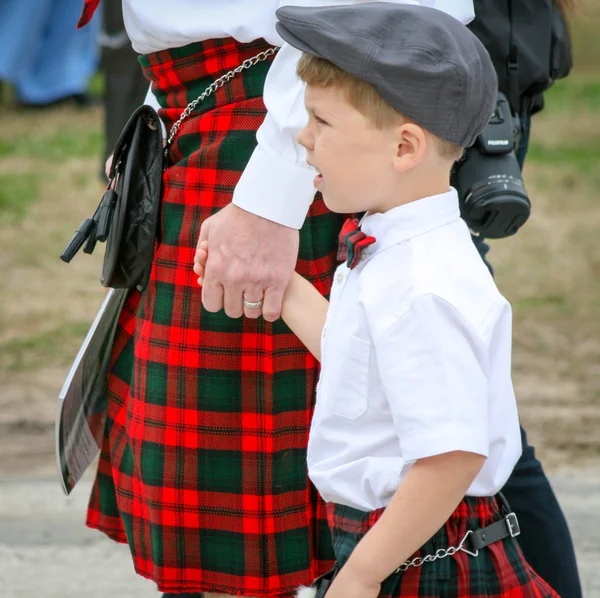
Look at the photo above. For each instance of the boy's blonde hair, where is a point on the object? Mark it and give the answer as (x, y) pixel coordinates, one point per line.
(362, 96)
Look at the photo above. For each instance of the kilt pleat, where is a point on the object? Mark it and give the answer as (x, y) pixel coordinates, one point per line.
(203, 466)
(498, 571)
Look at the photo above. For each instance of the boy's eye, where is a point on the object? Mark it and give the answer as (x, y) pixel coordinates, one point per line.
(320, 120)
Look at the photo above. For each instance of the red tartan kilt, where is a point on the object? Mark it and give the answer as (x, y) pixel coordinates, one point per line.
(497, 571)
(203, 468)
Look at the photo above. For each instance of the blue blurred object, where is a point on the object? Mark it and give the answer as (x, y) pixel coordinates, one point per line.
(42, 54)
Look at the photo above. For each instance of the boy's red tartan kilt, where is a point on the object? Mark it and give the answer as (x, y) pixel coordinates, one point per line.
(498, 571)
(203, 467)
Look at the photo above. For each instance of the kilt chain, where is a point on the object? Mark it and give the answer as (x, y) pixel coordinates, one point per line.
(439, 554)
(250, 62)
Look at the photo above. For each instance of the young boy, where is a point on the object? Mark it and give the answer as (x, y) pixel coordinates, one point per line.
(415, 428)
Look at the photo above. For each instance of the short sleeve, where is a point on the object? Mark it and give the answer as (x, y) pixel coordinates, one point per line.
(434, 370)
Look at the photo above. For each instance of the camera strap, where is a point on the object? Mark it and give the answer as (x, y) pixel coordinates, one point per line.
(513, 65)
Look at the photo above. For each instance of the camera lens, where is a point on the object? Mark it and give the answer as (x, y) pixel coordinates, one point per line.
(496, 206)
(492, 198)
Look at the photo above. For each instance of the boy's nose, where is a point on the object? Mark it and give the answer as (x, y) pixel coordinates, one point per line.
(304, 138)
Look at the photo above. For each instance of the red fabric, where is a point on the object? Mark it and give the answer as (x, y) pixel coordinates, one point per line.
(497, 571)
(89, 8)
(203, 467)
(351, 242)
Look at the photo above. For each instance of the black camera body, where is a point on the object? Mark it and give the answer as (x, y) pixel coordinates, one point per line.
(492, 197)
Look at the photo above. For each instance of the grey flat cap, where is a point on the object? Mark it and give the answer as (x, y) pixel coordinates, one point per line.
(422, 61)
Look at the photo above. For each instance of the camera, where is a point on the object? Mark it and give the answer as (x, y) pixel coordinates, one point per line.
(492, 197)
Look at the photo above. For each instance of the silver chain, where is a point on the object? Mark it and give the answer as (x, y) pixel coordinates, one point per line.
(439, 554)
(214, 86)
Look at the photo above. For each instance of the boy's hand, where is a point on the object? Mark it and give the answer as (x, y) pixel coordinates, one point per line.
(348, 585)
(200, 261)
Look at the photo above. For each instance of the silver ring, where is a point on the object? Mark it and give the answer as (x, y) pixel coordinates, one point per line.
(253, 304)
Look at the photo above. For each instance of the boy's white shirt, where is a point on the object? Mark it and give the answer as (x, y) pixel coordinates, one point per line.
(277, 183)
(416, 360)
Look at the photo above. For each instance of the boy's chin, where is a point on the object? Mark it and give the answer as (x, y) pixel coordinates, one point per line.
(337, 207)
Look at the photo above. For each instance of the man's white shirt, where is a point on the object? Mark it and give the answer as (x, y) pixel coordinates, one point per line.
(277, 183)
(416, 360)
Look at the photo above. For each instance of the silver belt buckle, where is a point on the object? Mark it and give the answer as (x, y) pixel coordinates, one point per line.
(513, 525)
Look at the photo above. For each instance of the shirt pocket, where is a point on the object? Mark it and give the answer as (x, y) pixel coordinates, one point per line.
(347, 379)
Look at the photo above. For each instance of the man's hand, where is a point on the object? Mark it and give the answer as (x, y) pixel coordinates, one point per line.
(248, 257)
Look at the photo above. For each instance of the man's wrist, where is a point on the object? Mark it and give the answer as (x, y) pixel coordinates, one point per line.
(249, 213)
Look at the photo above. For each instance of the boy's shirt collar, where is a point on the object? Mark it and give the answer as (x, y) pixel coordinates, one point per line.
(410, 220)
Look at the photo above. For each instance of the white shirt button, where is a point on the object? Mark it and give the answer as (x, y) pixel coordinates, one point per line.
(339, 278)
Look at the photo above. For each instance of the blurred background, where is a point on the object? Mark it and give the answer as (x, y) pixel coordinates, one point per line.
(51, 158)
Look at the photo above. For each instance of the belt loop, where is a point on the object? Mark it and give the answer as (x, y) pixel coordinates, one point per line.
(504, 503)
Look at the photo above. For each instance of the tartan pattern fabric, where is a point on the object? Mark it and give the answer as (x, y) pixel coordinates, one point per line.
(203, 468)
(89, 8)
(351, 242)
(499, 570)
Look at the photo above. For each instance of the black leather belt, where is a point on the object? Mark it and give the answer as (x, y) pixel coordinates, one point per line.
(508, 527)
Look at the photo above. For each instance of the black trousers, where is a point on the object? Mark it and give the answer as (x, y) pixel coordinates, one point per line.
(545, 537)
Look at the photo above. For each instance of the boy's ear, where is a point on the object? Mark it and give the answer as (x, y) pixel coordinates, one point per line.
(411, 146)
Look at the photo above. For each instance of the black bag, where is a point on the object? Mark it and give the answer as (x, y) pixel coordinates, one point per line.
(127, 216)
(528, 41)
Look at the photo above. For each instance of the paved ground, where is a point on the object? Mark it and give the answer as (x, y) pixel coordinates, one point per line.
(46, 552)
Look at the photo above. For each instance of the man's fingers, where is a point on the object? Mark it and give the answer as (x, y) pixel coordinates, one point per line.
(212, 296)
(203, 237)
(201, 254)
(200, 259)
(253, 295)
(233, 304)
(272, 302)
(199, 270)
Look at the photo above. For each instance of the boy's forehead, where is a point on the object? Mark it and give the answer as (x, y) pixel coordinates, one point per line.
(322, 97)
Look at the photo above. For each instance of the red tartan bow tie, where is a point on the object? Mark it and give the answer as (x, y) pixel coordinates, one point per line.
(89, 8)
(351, 242)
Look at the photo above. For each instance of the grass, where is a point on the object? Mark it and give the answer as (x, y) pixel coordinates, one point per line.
(574, 93)
(27, 353)
(17, 193)
(582, 158)
(58, 146)
(550, 270)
